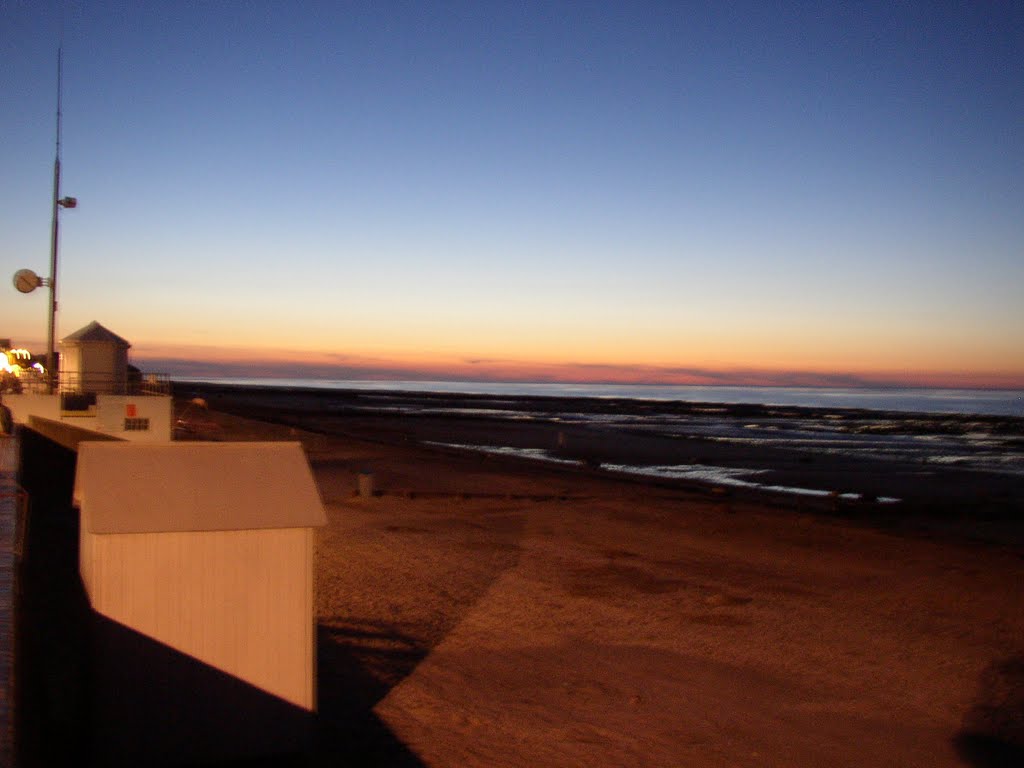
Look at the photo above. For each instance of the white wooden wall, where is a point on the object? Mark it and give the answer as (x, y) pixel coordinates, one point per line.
(240, 601)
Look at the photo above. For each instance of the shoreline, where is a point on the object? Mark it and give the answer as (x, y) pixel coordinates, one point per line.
(511, 430)
(587, 402)
(926, 401)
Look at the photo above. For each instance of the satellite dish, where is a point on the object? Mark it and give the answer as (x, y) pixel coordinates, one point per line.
(26, 281)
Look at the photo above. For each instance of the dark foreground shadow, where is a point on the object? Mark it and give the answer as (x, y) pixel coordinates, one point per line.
(359, 663)
(993, 730)
(124, 699)
(149, 704)
(51, 613)
(91, 691)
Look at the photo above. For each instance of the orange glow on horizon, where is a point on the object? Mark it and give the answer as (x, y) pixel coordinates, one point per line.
(435, 364)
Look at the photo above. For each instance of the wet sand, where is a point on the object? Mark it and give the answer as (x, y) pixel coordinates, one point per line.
(926, 490)
(485, 611)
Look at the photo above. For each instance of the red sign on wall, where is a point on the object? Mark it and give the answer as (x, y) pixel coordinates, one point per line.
(129, 411)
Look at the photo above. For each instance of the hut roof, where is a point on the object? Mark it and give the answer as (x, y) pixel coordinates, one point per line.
(161, 487)
(95, 332)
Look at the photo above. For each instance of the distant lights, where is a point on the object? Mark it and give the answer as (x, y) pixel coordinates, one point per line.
(11, 362)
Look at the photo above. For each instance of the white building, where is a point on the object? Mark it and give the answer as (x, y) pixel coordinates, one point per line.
(94, 360)
(198, 559)
(95, 391)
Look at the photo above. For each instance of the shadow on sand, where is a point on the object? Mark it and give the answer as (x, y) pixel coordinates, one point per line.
(993, 729)
(359, 663)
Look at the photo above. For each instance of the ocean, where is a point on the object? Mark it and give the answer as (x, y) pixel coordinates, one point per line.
(977, 430)
(988, 402)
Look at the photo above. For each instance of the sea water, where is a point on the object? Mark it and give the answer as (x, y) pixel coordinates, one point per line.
(967, 428)
(990, 402)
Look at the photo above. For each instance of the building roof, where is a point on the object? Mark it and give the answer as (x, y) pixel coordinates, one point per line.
(161, 487)
(95, 332)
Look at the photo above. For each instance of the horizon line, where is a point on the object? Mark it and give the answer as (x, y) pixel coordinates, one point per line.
(569, 374)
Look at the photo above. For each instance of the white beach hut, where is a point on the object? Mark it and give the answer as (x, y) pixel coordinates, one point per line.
(94, 359)
(197, 559)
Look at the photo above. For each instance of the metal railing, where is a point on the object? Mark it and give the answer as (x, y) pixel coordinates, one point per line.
(77, 383)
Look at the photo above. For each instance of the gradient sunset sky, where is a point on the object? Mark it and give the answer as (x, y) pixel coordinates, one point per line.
(665, 192)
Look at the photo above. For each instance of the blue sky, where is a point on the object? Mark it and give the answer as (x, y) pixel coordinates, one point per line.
(546, 187)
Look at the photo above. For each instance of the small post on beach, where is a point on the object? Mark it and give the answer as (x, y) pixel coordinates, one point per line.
(366, 489)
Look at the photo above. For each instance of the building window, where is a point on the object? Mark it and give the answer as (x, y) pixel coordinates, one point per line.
(136, 425)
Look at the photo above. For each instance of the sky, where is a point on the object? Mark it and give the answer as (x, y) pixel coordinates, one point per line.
(714, 193)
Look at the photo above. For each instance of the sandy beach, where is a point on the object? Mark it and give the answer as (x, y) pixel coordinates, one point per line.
(490, 611)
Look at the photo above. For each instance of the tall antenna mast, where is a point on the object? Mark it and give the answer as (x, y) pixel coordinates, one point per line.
(25, 280)
(51, 360)
(58, 203)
